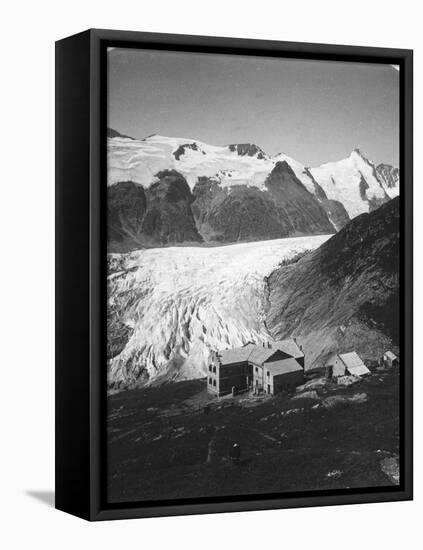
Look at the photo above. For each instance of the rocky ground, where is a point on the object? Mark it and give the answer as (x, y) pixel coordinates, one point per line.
(173, 441)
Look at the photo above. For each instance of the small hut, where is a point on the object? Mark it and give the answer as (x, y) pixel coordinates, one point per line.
(389, 359)
(341, 364)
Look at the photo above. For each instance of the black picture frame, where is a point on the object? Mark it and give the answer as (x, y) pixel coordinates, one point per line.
(81, 280)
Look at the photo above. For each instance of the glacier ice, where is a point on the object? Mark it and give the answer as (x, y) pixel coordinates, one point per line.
(178, 303)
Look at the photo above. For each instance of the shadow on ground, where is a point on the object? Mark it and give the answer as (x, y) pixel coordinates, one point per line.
(46, 497)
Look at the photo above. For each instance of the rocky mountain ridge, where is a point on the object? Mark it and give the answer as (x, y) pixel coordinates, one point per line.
(233, 193)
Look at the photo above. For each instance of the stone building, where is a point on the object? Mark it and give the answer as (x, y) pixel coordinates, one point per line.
(268, 368)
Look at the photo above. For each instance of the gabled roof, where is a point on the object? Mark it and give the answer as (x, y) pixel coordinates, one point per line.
(359, 370)
(351, 359)
(260, 354)
(236, 355)
(390, 355)
(353, 363)
(283, 366)
(289, 346)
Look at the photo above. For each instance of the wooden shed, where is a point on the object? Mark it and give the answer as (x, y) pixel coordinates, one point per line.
(389, 359)
(341, 364)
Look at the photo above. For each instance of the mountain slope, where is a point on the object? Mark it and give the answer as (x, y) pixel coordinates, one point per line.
(243, 213)
(230, 194)
(156, 216)
(344, 295)
(334, 209)
(353, 182)
(389, 177)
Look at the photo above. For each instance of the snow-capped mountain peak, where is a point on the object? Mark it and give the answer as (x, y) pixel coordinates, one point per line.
(140, 160)
(353, 182)
(344, 188)
(358, 153)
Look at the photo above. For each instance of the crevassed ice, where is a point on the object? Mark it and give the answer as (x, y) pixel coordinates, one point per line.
(182, 302)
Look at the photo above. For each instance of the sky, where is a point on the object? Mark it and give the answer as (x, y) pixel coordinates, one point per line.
(313, 111)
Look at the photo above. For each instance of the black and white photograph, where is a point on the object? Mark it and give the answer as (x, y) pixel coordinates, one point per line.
(211, 275)
(253, 276)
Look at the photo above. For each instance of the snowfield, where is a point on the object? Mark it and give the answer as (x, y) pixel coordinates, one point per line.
(352, 181)
(140, 160)
(341, 181)
(176, 304)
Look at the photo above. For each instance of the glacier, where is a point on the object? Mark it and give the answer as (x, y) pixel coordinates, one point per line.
(173, 305)
(141, 160)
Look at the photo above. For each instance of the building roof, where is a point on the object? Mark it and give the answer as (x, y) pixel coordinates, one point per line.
(236, 355)
(289, 346)
(283, 366)
(354, 363)
(390, 355)
(359, 370)
(258, 353)
(351, 359)
(261, 354)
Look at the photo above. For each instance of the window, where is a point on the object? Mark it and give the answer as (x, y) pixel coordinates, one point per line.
(214, 369)
(256, 369)
(268, 373)
(210, 368)
(210, 380)
(214, 382)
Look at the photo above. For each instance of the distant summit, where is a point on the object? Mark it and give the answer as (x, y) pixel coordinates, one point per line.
(114, 133)
(235, 192)
(248, 149)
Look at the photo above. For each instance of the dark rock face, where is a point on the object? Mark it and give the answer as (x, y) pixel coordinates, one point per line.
(247, 149)
(159, 215)
(169, 218)
(244, 213)
(168, 213)
(241, 214)
(182, 148)
(126, 207)
(388, 174)
(299, 210)
(114, 133)
(344, 295)
(374, 203)
(336, 212)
